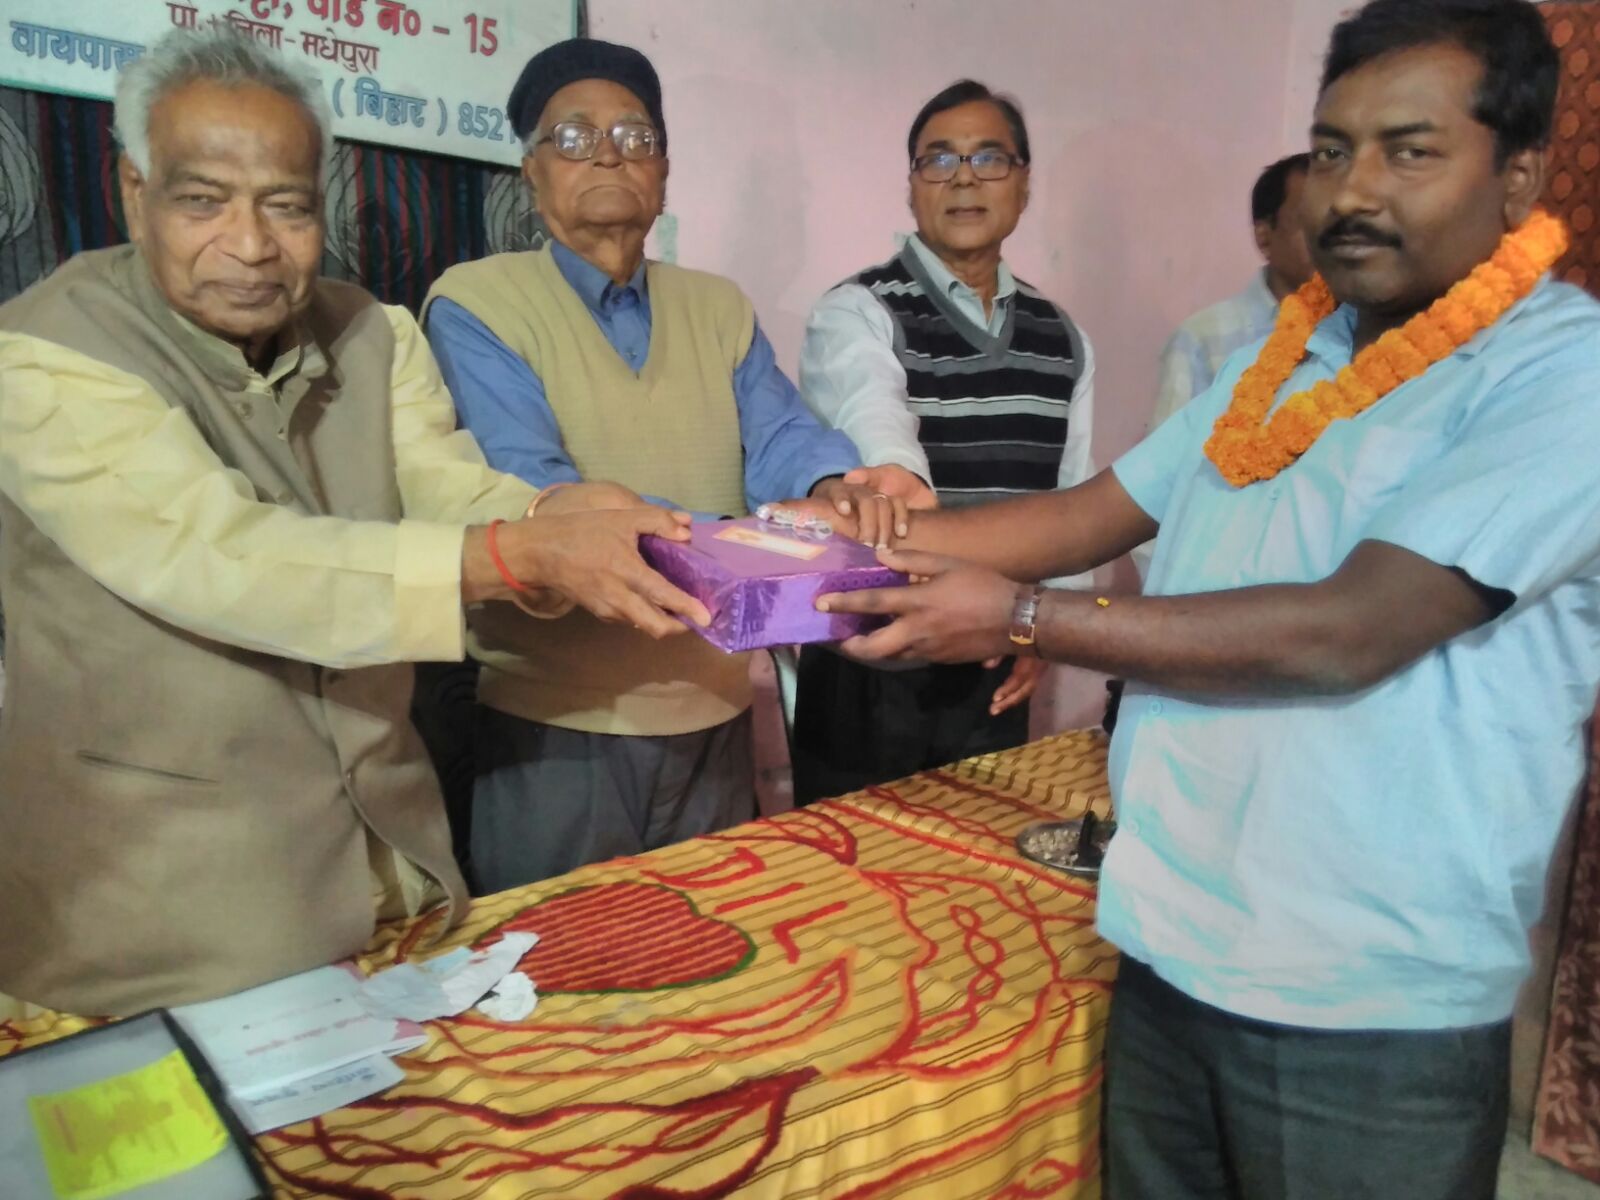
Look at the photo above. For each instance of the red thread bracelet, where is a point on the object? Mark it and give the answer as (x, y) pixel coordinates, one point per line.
(515, 584)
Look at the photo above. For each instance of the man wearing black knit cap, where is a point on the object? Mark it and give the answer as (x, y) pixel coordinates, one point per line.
(579, 361)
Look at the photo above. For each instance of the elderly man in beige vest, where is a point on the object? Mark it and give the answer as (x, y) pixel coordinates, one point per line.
(581, 361)
(232, 501)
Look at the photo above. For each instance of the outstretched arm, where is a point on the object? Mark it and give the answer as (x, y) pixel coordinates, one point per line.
(1040, 536)
(1382, 609)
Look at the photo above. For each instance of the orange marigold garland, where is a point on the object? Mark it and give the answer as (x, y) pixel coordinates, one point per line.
(1246, 446)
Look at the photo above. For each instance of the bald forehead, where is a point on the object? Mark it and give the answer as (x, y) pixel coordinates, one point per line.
(246, 128)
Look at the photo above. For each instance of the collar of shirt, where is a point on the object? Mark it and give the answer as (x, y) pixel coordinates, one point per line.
(1333, 340)
(598, 291)
(297, 352)
(962, 296)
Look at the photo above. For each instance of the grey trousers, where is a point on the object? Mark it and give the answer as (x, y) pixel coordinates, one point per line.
(546, 800)
(1204, 1105)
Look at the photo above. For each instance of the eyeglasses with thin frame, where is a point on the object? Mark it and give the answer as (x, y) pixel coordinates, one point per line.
(941, 166)
(578, 140)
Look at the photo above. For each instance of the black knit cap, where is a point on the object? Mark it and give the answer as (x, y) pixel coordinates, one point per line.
(566, 62)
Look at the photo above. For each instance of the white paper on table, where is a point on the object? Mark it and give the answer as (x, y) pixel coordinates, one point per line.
(273, 1108)
(446, 962)
(511, 1001)
(450, 986)
(292, 1029)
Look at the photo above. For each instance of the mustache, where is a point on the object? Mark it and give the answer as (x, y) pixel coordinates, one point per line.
(1353, 229)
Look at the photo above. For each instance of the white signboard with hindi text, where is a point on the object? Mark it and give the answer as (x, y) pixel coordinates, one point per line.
(425, 74)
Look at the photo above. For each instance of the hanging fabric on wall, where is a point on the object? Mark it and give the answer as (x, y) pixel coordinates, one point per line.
(1567, 1110)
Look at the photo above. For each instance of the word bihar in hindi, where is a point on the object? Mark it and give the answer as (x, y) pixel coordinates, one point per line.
(393, 107)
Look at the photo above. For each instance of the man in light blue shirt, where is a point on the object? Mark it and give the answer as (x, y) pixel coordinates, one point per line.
(1359, 684)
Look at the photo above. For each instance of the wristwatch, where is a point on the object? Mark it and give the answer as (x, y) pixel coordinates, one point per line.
(1025, 616)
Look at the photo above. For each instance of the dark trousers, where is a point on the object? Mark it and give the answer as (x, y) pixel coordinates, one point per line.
(855, 726)
(547, 800)
(1202, 1104)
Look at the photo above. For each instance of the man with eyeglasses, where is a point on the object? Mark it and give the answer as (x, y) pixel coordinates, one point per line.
(583, 360)
(942, 362)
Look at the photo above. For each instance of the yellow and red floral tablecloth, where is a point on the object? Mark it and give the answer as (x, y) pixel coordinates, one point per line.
(872, 997)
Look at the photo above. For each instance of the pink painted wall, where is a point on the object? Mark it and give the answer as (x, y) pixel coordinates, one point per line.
(1149, 120)
(1313, 21)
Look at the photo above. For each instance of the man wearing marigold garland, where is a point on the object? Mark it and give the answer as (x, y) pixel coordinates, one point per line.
(1367, 649)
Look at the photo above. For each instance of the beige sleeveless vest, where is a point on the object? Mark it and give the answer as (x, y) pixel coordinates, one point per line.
(184, 818)
(671, 430)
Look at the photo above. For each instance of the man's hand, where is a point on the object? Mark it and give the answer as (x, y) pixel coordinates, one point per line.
(875, 514)
(592, 558)
(897, 483)
(1019, 685)
(564, 498)
(961, 614)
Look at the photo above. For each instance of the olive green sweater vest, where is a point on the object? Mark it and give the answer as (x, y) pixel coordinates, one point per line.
(670, 430)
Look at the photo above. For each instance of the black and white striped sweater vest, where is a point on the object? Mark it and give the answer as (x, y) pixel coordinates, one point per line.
(993, 411)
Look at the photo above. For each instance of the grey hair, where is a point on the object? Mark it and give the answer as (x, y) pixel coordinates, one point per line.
(219, 54)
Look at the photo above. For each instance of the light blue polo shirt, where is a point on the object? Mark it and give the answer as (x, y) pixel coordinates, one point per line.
(1374, 860)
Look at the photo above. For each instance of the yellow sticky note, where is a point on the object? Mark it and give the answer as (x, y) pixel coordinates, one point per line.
(113, 1135)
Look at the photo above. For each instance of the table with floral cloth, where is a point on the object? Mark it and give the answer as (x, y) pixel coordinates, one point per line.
(876, 996)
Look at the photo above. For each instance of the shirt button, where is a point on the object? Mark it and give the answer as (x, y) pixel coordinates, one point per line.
(1134, 827)
(246, 409)
(350, 780)
(1157, 708)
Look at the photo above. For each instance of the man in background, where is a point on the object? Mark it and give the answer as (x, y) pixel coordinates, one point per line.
(942, 362)
(1195, 353)
(582, 360)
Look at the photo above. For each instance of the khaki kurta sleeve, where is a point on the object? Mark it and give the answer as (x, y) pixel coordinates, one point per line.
(441, 468)
(126, 486)
(443, 474)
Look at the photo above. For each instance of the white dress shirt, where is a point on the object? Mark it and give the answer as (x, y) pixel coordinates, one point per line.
(851, 377)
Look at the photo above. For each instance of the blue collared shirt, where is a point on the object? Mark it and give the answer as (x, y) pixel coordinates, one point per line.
(502, 401)
(1374, 860)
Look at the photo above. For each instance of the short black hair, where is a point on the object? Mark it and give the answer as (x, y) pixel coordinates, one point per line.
(1272, 188)
(966, 91)
(1521, 68)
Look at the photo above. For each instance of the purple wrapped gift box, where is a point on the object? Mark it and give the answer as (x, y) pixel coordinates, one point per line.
(761, 582)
